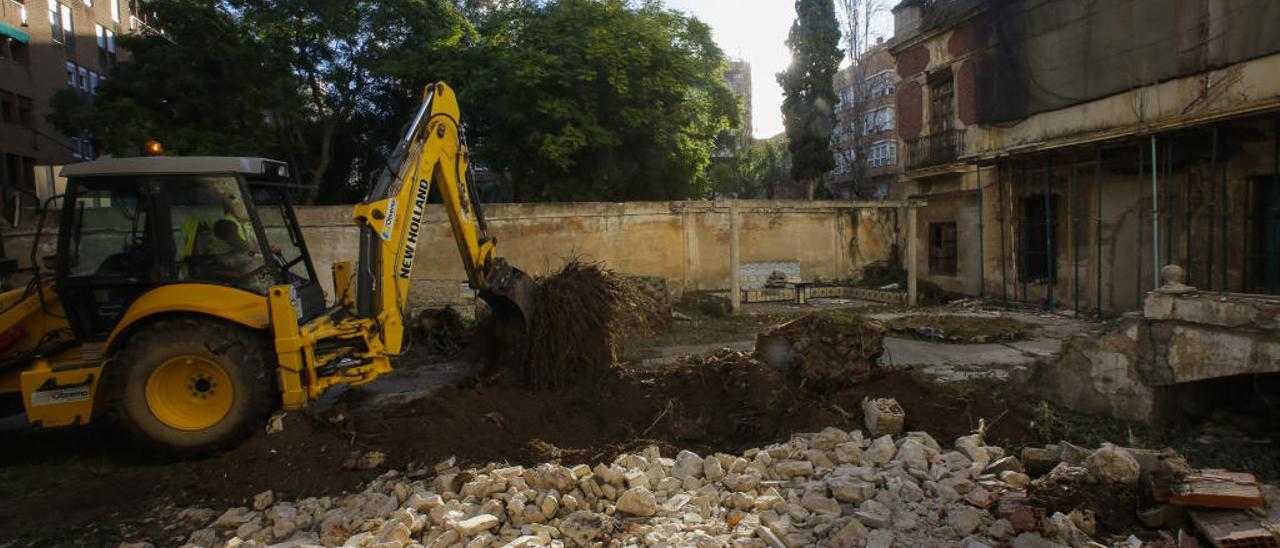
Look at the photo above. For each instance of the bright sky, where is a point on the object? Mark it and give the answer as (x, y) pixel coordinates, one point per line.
(754, 31)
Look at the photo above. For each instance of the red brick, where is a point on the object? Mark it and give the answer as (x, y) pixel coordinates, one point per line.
(910, 110)
(967, 38)
(913, 61)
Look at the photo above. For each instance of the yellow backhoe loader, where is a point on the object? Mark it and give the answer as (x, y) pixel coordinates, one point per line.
(182, 297)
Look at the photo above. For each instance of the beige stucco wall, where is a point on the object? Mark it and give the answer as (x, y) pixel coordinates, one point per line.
(687, 243)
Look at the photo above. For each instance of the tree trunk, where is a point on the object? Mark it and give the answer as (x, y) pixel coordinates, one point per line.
(810, 187)
(317, 173)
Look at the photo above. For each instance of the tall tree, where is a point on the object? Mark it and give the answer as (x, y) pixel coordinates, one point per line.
(309, 81)
(755, 172)
(598, 100)
(808, 90)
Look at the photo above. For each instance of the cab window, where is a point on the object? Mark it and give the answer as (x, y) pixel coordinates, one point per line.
(109, 233)
(213, 235)
(284, 239)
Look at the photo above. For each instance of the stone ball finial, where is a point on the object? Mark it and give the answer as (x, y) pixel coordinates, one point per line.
(1172, 274)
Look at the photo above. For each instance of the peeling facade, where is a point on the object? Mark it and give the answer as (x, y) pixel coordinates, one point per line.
(1068, 150)
(1138, 370)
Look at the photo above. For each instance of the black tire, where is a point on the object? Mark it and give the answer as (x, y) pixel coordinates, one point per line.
(243, 355)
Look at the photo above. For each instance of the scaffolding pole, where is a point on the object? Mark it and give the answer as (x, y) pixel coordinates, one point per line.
(1004, 258)
(1048, 232)
(1168, 201)
(1097, 184)
(1225, 249)
(1271, 232)
(1142, 173)
(982, 257)
(1075, 233)
(1213, 210)
(1022, 238)
(1155, 218)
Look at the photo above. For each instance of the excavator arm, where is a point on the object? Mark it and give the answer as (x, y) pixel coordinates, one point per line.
(432, 151)
(356, 348)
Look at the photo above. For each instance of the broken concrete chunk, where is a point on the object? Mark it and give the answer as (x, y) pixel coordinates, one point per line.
(1072, 454)
(263, 500)
(688, 464)
(1113, 464)
(472, 526)
(847, 489)
(1003, 464)
(638, 501)
(913, 454)
(972, 447)
(1038, 460)
(881, 451)
(882, 416)
(792, 468)
(1016, 480)
(963, 519)
(829, 438)
(585, 527)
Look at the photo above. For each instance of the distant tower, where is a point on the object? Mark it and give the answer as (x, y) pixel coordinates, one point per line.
(738, 77)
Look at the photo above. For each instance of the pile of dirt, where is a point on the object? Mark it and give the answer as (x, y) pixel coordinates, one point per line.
(442, 333)
(583, 315)
(725, 401)
(824, 350)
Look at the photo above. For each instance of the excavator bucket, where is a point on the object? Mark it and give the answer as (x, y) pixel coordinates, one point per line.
(512, 298)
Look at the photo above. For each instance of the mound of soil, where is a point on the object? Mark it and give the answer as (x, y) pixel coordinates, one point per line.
(727, 401)
(825, 350)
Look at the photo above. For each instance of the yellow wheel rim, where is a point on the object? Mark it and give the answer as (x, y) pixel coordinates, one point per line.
(189, 393)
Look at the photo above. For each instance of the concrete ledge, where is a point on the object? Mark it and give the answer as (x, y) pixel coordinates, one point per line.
(1230, 310)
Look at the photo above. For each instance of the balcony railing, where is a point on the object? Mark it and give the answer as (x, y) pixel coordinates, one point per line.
(933, 150)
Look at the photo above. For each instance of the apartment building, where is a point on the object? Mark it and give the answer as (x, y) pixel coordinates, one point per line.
(865, 139)
(47, 46)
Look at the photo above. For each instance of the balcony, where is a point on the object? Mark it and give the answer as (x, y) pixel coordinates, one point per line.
(933, 150)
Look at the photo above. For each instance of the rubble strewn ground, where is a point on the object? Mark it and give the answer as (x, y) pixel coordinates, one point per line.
(711, 405)
(834, 487)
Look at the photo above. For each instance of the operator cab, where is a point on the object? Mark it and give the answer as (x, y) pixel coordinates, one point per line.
(133, 224)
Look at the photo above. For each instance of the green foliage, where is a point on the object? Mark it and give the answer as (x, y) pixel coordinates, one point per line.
(320, 83)
(808, 89)
(598, 100)
(756, 172)
(570, 99)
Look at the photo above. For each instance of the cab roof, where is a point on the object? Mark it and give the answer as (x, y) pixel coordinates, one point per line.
(174, 165)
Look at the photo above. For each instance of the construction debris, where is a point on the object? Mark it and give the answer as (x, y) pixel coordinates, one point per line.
(1217, 489)
(883, 416)
(816, 488)
(1234, 528)
(824, 350)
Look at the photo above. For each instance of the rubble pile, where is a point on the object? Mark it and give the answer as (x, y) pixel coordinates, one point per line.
(829, 349)
(833, 488)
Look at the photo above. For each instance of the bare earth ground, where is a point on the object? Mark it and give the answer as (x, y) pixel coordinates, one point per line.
(91, 487)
